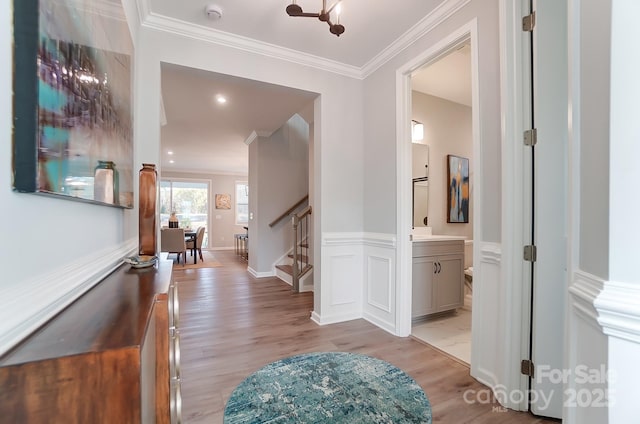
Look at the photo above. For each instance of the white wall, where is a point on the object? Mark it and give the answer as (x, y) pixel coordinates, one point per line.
(447, 127)
(480, 21)
(281, 178)
(595, 44)
(222, 222)
(58, 248)
(617, 305)
(380, 130)
(82, 242)
(338, 138)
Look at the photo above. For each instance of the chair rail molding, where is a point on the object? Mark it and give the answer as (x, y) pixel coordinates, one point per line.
(584, 290)
(586, 346)
(618, 311)
(49, 293)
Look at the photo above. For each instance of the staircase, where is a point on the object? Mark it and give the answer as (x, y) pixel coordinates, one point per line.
(284, 270)
(295, 268)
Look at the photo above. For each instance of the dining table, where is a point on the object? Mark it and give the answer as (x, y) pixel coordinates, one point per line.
(190, 235)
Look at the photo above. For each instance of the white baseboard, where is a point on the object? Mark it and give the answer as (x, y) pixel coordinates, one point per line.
(260, 274)
(333, 319)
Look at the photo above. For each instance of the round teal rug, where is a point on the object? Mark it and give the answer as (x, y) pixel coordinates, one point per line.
(328, 387)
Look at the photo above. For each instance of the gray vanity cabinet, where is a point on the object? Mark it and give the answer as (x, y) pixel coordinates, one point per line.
(438, 276)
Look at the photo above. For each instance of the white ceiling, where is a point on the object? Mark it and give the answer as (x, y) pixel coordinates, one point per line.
(371, 25)
(448, 78)
(208, 137)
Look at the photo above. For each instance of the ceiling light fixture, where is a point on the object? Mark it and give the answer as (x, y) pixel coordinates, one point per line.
(221, 99)
(324, 15)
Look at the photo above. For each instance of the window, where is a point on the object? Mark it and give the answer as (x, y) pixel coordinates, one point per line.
(242, 203)
(189, 200)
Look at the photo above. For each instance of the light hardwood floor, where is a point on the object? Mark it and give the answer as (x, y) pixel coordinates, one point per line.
(232, 324)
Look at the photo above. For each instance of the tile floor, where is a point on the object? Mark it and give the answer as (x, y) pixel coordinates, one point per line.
(450, 333)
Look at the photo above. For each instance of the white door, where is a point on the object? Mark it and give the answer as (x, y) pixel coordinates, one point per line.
(550, 118)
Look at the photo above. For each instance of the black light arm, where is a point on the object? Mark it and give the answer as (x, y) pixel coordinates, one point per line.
(295, 10)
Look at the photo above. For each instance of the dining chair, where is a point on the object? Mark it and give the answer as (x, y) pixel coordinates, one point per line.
(197, 244)
(172, 241)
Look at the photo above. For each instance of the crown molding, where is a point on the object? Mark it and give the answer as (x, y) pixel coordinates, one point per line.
(255, 134)
(144, 9)
(151, 20)
(211, 35)
(252, 137)
(424, 26)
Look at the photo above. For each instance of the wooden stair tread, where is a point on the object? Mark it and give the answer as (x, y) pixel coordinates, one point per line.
(289, 269)
(285, 268)
(301, 258)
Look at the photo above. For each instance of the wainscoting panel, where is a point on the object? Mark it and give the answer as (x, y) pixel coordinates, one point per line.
(378, 279)
(619, 315)
(50, 293)
(342, 274)
(379, 276)
(341, 287)
(587, 346)
(488, 317)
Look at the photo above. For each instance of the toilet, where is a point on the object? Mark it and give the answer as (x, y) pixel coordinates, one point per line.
(468, 273)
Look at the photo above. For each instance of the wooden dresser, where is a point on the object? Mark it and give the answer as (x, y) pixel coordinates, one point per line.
(103, 359)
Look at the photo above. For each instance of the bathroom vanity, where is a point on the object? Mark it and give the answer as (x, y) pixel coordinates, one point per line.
(438, 274)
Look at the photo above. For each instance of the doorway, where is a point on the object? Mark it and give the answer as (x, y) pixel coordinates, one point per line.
(441, 113)
(463, 38)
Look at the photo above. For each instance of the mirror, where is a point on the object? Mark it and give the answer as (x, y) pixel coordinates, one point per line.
(420, 173)
(420, 202)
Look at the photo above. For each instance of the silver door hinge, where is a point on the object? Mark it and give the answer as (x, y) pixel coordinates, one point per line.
(526, 367)
(530, 253)
(529, 22)
(530, 137)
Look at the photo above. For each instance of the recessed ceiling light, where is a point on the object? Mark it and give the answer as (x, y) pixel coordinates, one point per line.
(170, 152)
(172, 161)
(221, 99)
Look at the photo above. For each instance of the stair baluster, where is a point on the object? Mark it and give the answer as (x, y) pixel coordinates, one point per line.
(300, 222)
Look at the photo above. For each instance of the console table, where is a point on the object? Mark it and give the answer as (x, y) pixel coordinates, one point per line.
(103, 359)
